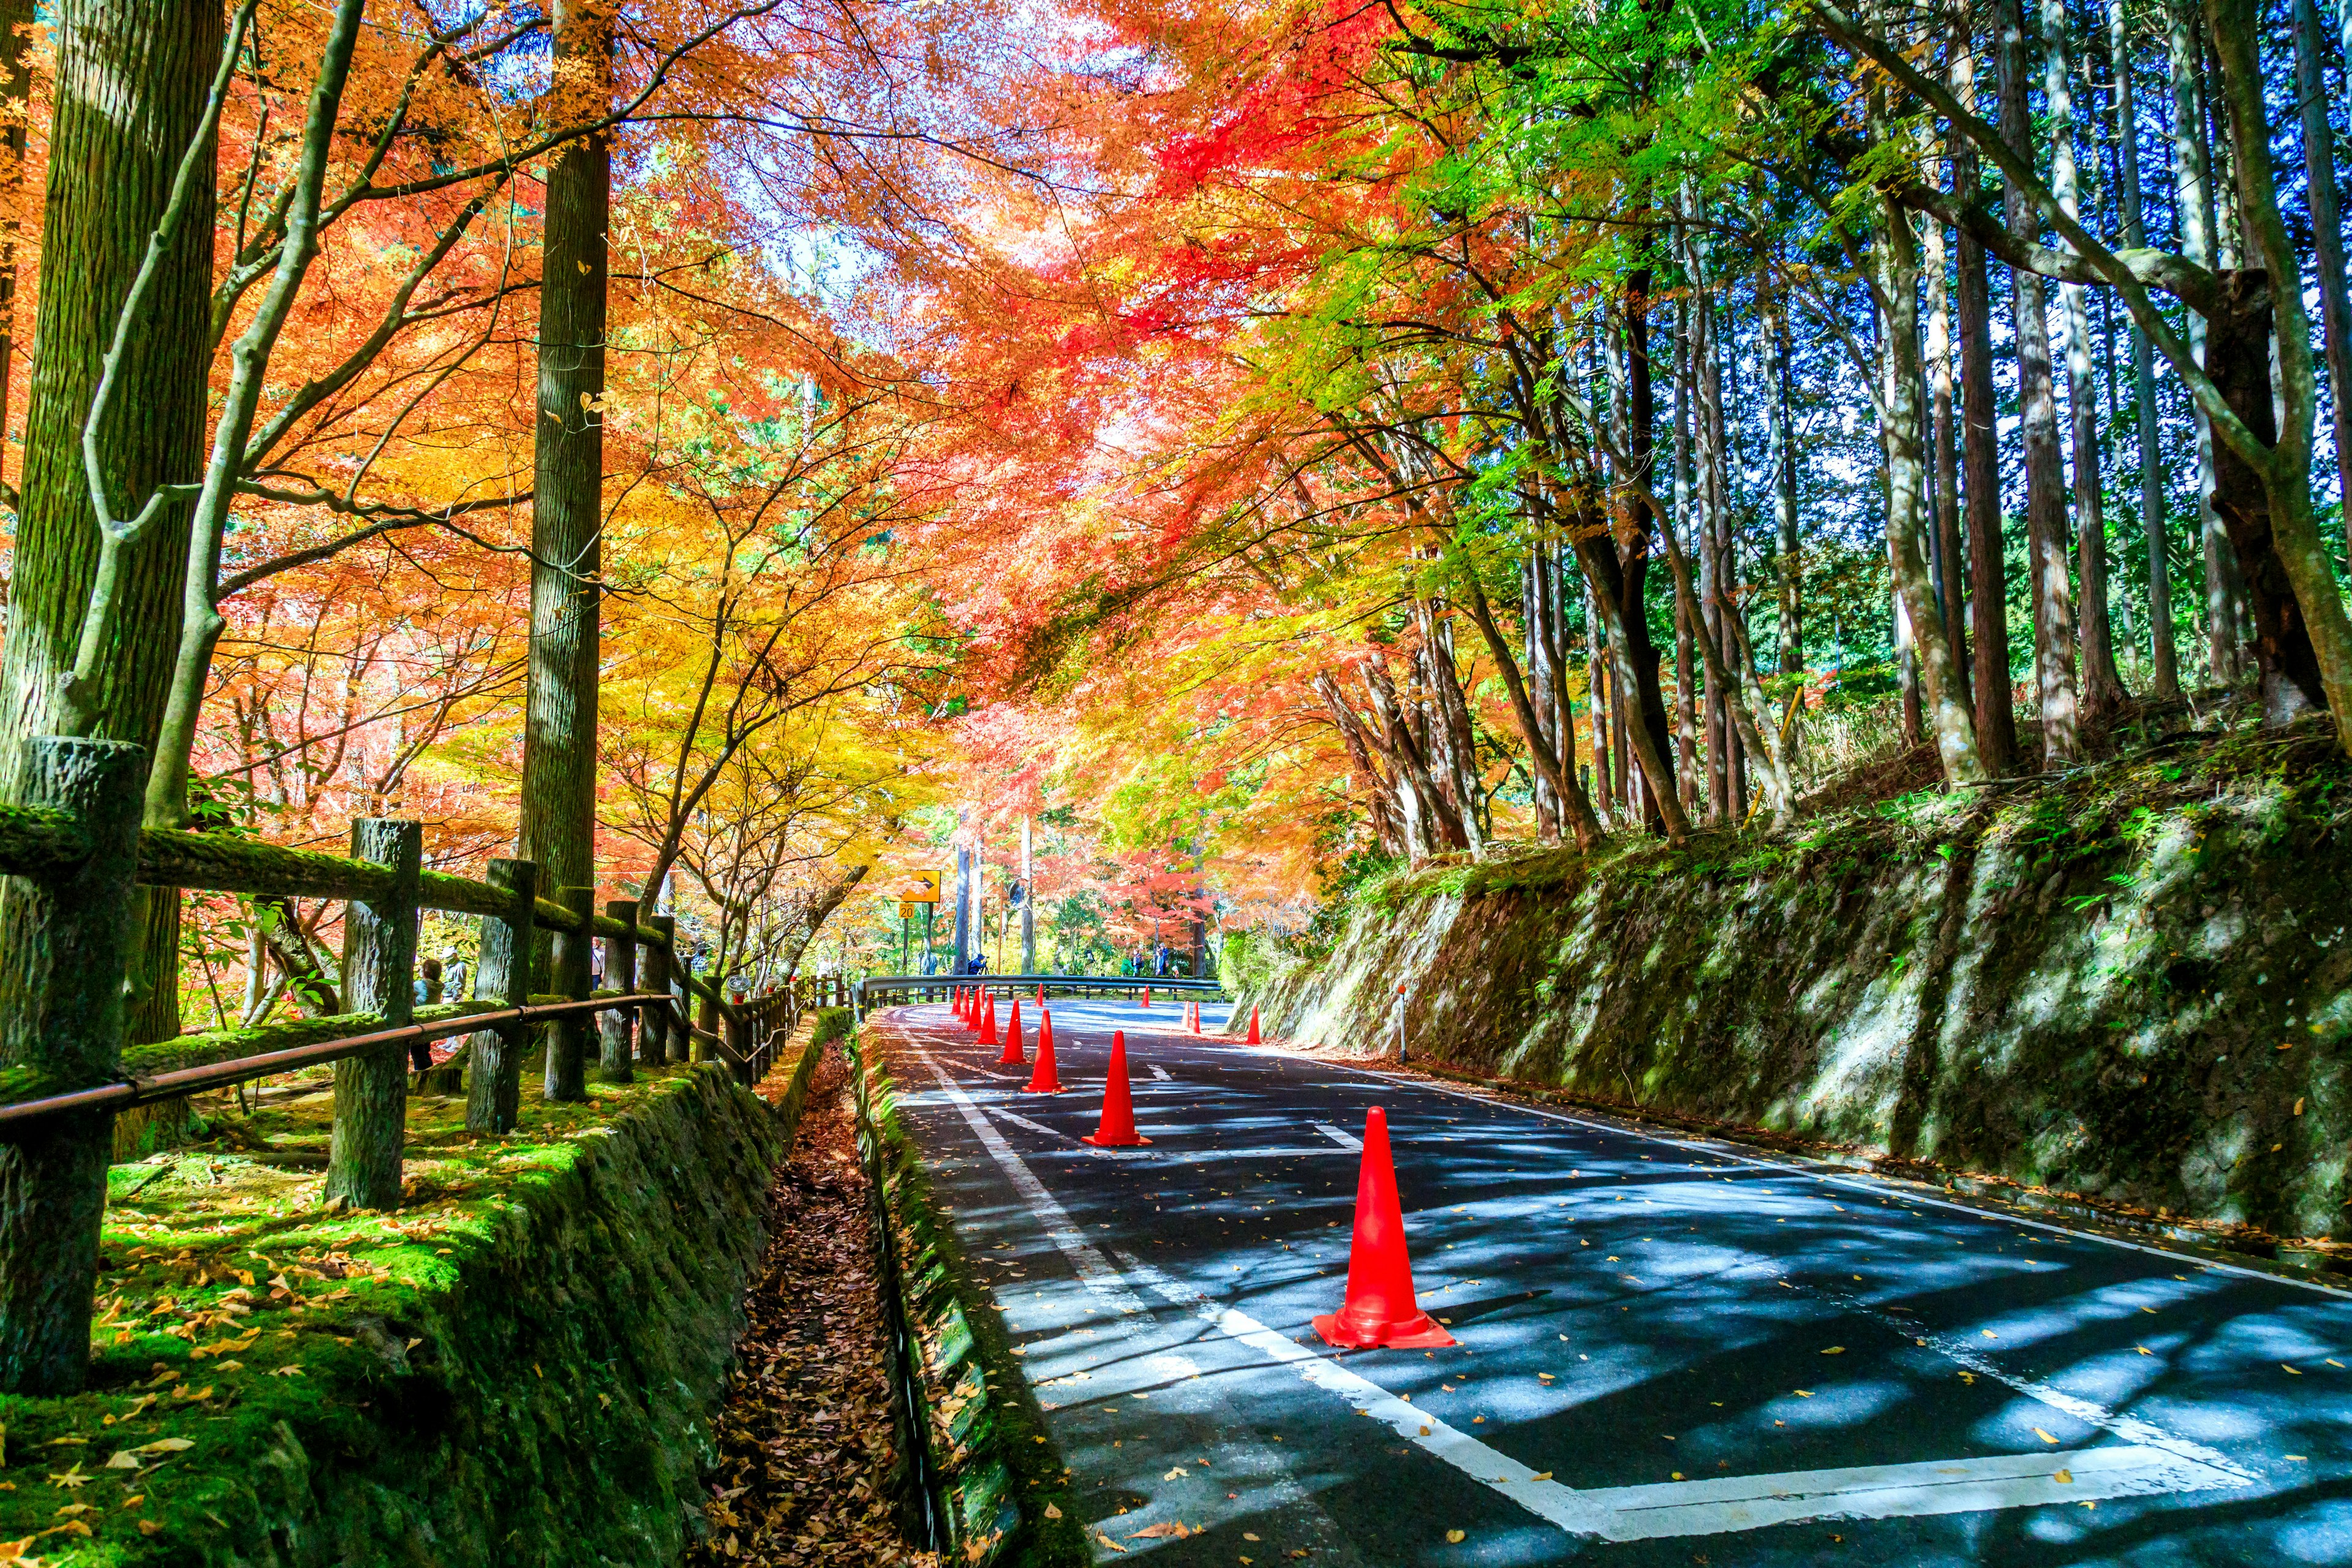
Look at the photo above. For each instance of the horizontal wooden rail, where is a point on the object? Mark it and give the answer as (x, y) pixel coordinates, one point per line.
(135, 1089)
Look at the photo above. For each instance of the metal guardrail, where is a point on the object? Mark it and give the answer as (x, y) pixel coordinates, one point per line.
(132, 1091)
(940, 987)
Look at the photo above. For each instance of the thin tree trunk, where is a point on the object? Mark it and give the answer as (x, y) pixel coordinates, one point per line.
(2102, 691)
(1686, 761)
(2161, 652)
(2327, 239)
(559, 778)
(1950, 580)
(2192, 178)
(1996, 712)
(2046, 495)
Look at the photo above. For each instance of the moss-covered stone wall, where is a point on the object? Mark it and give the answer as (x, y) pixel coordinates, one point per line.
(2133, 982)
(519, 1367)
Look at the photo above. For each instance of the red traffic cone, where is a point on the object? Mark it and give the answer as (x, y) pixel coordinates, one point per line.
(1013, 1056)
(1253, 1034)
(1041, 993)
(1192, 1018)
(1147, 995)
(988, 1021)
(1042, 1081)
(1117, 1129)
(1379, 1309)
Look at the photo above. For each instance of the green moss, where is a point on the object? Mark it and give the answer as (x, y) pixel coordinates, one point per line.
(518, 1366)
(996, 1469)
(2134, 981)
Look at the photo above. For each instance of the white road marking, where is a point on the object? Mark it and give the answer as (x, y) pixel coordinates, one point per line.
(1160, 1073)
(1747, 1502)
(2151, 1461)
(1094, 1270)
(1345, 1139)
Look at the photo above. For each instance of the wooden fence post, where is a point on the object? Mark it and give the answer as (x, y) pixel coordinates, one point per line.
(653, 1024)
(677, 1039)
(621, 975)
(739, 1040)
(63, 957)
(379, 974)
(494, 1076)
(568, 969)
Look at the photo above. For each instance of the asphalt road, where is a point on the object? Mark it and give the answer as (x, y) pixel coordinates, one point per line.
(1673, 1350)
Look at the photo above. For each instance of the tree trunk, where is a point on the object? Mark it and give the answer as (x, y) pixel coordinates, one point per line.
(2328, 239)
(2045, 496)
(130, 88)
(2162, 653)
(2194, 210)
(1950, 585)
(1996, 712)
(2102, 690)
(1687, 774)
(559, 765)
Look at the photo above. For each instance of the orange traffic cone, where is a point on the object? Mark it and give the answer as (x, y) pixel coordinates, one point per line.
(1117, 1129)
(1013, 1056)
(988, 1021)
(1192, 1017)
(1042, 1081)
(1147, 995)
(1253, 1034)
(1041, 993)
(1379, 1309)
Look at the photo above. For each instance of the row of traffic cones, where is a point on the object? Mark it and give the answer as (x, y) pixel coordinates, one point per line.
(1378, 1308)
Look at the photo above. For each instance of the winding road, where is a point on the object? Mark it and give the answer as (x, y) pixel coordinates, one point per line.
(1673, 1349)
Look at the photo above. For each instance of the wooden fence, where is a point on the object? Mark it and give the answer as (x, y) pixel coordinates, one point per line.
(76, 856)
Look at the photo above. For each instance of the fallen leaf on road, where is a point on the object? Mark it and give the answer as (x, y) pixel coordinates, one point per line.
(2044, 1435)
(1454, 1538)
(1804, 1394)
(1165, 1529)
(1835, 1349)
(1173, 1476)
(2064, 1477)
(1102, 1539)
(1053, 1512)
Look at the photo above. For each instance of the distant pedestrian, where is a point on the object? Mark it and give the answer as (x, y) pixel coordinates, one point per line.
(452, 965)
(428, 992)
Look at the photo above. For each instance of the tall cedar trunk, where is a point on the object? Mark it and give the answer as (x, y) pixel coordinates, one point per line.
(2102, 688)
(2311, 609)
(1727, 565)
(1711, 591)
(2328, 239)
(131, 81)
(1792, 549)
(1600, 682)
(1686, 775)
(2194, 211)
(1638, 529)
(1951, 591)
(1534, 615)
(2161, 652)
(2237, 358)
(1996, 712)
(1947, 715)
(2045, 480)
(559, 761)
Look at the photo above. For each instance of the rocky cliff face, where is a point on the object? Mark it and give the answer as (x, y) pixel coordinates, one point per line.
(2133, 982)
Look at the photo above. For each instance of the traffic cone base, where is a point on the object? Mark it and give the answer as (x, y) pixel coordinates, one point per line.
(1012, 1056)
(1042, 1078)
(1379, 1309)
(1116, 1129)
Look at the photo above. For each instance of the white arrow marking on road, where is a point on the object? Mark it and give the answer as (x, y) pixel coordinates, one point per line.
(1160, 1073)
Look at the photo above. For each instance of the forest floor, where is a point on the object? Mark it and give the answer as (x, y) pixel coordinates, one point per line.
(805, 1443)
